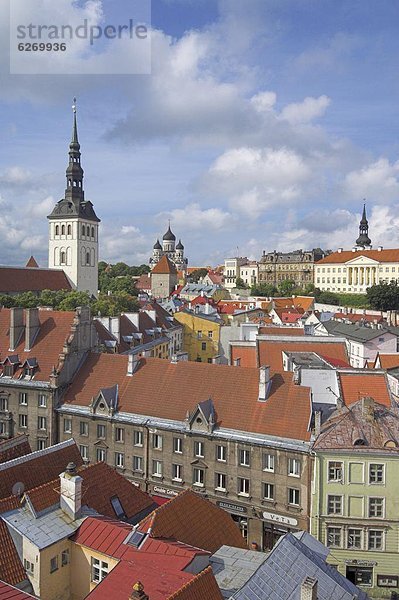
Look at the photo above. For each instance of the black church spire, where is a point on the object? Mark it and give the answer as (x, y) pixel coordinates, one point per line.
(74, 173)
(363, 239)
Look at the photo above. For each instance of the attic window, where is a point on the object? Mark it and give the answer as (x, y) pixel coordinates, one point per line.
(198, 420)
(8, 370)
(390, 444)
(101, 405)
(137, 538)
(359, 442)
(118, 508)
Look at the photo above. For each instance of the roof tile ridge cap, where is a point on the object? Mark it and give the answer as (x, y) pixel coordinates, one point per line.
(38, 453)
(188, 584)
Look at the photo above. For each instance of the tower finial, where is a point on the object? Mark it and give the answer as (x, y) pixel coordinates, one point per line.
(75, 125)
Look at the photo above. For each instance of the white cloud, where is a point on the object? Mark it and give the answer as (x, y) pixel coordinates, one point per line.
(378, 181)
(305, 111)
(193, 218)
(264, 101)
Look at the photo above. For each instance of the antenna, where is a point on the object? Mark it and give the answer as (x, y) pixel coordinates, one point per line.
(74, 106)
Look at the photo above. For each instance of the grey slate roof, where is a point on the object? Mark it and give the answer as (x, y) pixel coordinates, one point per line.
(233, 567)
(291, 560)
(357, 333)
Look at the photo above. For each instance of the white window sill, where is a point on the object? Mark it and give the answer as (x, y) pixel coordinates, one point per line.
(198, 484)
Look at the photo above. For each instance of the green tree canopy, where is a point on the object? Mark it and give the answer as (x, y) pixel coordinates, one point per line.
(198, 274)
(384, 296)
(263, 289)
(240, 283)
(286, 287)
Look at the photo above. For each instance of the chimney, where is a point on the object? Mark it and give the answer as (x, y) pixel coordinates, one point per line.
(216, 360)
(264, 380)
(236, 362)
(71, 492)
(132, 363)
(297, 375)
(32, 326)
(379, 248)
(340, 250)
(16, 326)
(138, 592)
(368, 409)
(317, 422)
(309, 589)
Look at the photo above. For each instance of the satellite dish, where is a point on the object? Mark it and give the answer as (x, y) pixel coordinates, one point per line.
(18, 489)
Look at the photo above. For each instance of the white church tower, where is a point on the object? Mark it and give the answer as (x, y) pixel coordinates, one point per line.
(73, 234)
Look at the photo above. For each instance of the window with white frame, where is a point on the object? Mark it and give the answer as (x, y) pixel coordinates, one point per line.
(293, 496)
(119, 460)
(119, 434)
(294, 467)
(138, 438)
(198, 477)
(354, 538)
(177, 445)
(157, 468)
(268, 491)
(199, 449)
(375, 539)
(243, 486)
(42, 423)
(376, 507)
(376, 473)
(101, 432)
(177, 472)
(221, 453)
(138, 463)
(84, 452)
(84, 428)
(335, 470)
(64, 557)
(99, 569)
(41, 444)
(220, 481)
(268, 462)
(54, 564)
(334, 505)
(23, 398)
(29, 566)
(157, 441)
(101, 455)
(67, 425)
(245, 458)
(23, 421)
(334, 537)
(3, 404)
(42, 400)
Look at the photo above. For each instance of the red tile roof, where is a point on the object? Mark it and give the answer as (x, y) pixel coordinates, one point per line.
(32, 263)
(30, 279)
(246, 354)
(355, 386)
(14, 447)
(157, 389)
(270, 351)
(216, 278)
(164, 266)
(103, 535)
(387, 361)
(37, 468)
(11, 569)
(389, 255)
(202, 586)
(144, 283)
(55, 328)
(8, 592)
(211, 528)
(100, 483)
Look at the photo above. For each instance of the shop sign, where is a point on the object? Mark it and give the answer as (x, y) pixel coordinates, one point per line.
(164, 491)
(361, 563)
(388, 581)
(280, 519)
(232, 507)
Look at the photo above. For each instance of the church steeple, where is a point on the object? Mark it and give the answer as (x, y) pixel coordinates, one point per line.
(363, 240)
(74, 173)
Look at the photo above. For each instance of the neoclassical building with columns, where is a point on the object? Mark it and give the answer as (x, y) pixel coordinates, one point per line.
(353, 271)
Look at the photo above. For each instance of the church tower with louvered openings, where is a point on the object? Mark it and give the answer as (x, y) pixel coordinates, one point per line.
(73, 226)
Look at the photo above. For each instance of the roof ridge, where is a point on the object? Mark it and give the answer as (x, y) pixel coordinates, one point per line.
(188, 584)
(36, 454)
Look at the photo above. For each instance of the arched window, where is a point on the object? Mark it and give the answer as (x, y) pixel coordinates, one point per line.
(83, 230)
(62, 229)
(69, 230)
(57, 230)
(92, 232)
(87, 258)
(62, 258)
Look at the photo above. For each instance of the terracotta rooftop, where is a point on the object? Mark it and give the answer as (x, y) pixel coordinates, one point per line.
(355, 386)
(303, 303)
(164, 266)
(389, 255)
(387, 361)
(8, 592)
(30, 279)
(38, 467)
(270, 351)
(11, 569)
(202, 586)
(55, 328)
(32, 263)
(100, 483)
(211, 528)
(14, 447)
(366, 425)
(143, 283)
(157, 389)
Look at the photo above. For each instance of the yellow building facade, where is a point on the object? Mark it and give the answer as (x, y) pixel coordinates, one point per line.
(201, 335)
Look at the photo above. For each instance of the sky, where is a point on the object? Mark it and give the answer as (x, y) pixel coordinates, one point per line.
(262, 125)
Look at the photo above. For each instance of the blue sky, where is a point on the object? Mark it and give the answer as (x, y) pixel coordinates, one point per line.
(262, 126)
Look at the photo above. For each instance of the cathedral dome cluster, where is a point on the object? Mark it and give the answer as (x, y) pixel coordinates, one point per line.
(169, 248)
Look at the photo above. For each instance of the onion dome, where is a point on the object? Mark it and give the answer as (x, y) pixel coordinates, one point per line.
(169, 236)
(157, 245)
(179, 246)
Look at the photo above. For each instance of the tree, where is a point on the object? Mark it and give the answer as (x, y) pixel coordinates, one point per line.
(286, 287)
(263, 289)
(73, 300)
(328, 298)
(240, 283)
(384, 296)
(198, 274)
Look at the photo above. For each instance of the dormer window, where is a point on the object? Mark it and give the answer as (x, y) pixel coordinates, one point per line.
(8, 370)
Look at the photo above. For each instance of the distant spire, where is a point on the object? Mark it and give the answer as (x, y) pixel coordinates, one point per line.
(363, 240)
(74, 173)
